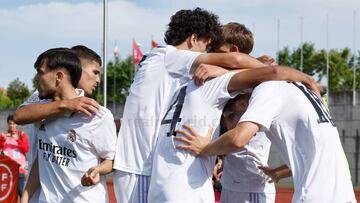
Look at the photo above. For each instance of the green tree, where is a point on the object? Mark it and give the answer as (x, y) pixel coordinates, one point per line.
(17, 92)
(122, 72)
(5, 101)
(314, 63)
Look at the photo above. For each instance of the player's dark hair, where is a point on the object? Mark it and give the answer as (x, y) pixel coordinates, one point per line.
(232, 112)
(61, 58)
(184, 23)
(86, 54)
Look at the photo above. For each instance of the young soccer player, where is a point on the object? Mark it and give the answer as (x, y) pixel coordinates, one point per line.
(74, 150)
(242, 180)
(301, 128)
(160, 76)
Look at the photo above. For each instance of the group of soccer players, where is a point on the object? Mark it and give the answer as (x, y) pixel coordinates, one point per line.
(180, 98)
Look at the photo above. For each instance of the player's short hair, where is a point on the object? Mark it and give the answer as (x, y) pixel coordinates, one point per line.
(61, 58)
(237, 34)
(86, 54)
(184, 23)
(231, 112)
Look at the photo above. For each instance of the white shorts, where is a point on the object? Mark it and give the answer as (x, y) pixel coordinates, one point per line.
(130, 188)
(229, 196)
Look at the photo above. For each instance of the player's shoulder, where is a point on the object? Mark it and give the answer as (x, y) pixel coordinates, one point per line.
(273, 84)
(35, 99)
(104, 114)
(97, 120)
(161, 49)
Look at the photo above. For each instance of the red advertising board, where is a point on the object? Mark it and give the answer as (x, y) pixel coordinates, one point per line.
(9, 171)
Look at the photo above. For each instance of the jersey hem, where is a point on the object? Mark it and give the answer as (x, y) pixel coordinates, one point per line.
(131, 170)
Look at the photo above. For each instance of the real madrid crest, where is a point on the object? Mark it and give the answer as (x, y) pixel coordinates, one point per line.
(71, 135)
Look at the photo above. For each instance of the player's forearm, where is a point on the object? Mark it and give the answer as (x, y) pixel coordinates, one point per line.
(105, 167)
(33, 182)
(228, 60)
(37, 112)
(233, 139)
(251, 78)
(291, 74)
(283, 172)
(226, 143)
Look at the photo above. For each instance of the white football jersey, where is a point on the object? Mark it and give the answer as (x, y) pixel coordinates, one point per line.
(241, 172)
(161, 73)
(34, 99)
(69, 145)
(177, 175)
(301, 128)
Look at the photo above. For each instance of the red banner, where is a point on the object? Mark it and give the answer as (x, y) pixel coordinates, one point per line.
(9, 171)
(137, 54)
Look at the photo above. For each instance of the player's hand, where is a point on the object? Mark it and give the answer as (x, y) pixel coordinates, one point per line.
(267, 60)
(91, 177)
(206, 71)
(83, 105)
(313, 86)
(195, 142)
(274, 177)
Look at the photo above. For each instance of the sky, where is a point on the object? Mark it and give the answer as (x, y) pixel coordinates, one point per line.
(29, 27)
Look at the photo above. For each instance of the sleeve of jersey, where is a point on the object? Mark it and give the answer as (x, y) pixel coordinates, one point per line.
(104, 137)
(216, 92)
(34, 99)
(178, 63)
(264, 105)
(23, 143)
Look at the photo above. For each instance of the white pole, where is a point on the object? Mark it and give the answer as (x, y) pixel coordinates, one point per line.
(278, 41)
(354, 66)
(327, 59)
(301, 43)
(105, 35)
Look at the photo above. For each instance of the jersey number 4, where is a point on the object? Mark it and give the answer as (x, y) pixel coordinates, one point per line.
(321, 110)
(178, 103)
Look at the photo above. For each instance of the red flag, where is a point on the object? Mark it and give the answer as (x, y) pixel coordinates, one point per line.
(137, 54)
(153, 44)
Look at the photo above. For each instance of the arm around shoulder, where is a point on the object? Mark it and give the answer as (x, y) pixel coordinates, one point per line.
(228, 60)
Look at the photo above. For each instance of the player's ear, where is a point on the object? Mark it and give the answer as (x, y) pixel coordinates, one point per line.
(59, 76)
(234, 48)
(192, 40)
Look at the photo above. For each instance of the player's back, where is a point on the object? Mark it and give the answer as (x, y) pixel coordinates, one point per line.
(154, 83)
(309, 143)
(178, 175)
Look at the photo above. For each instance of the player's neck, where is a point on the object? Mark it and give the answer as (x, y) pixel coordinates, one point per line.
(185, 45)
(65, 92)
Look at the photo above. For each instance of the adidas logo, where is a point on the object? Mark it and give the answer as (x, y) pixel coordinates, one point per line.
(42, 127)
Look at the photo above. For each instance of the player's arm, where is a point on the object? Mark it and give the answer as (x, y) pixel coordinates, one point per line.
(36, 112)
(267, 60)
(104, 143)
(228, 60)
(228, 142)
(276, 174)
(32, 184)
(211, 65)
(92, 176)
(251, 78)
